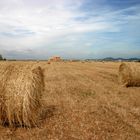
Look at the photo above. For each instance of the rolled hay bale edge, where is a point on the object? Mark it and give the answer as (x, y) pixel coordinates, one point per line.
(21, 89)
(129, 74)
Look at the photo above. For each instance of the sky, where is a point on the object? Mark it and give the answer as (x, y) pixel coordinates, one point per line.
(72, 29)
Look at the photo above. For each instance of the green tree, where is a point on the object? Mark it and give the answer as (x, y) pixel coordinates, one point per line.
(1, 58)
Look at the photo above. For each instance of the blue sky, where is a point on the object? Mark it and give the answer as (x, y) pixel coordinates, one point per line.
(80, 29)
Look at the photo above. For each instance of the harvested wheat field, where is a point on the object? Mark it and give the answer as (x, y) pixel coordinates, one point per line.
(81, 101)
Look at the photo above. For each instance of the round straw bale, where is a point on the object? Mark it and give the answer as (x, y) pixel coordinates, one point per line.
(48, 62)
(129, 74)
(21, 88)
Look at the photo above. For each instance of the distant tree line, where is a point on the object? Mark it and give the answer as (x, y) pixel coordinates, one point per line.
(1, 58)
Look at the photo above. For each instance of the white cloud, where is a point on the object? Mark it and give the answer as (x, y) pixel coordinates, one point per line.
(45, 21)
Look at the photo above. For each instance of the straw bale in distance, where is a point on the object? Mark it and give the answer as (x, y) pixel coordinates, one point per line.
(21, 88)
(129, 74)
(48, 62)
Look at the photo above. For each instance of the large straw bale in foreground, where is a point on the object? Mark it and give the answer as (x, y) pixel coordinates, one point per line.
(129, 74)
(21, 88)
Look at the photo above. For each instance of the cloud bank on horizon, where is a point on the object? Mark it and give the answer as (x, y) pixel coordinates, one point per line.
(38, 29)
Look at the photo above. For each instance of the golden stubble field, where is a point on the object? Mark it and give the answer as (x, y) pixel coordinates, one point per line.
(83, 101)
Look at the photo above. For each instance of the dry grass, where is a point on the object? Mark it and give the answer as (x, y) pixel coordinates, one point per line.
(83, 101)
(129, 74)
(20, 94)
